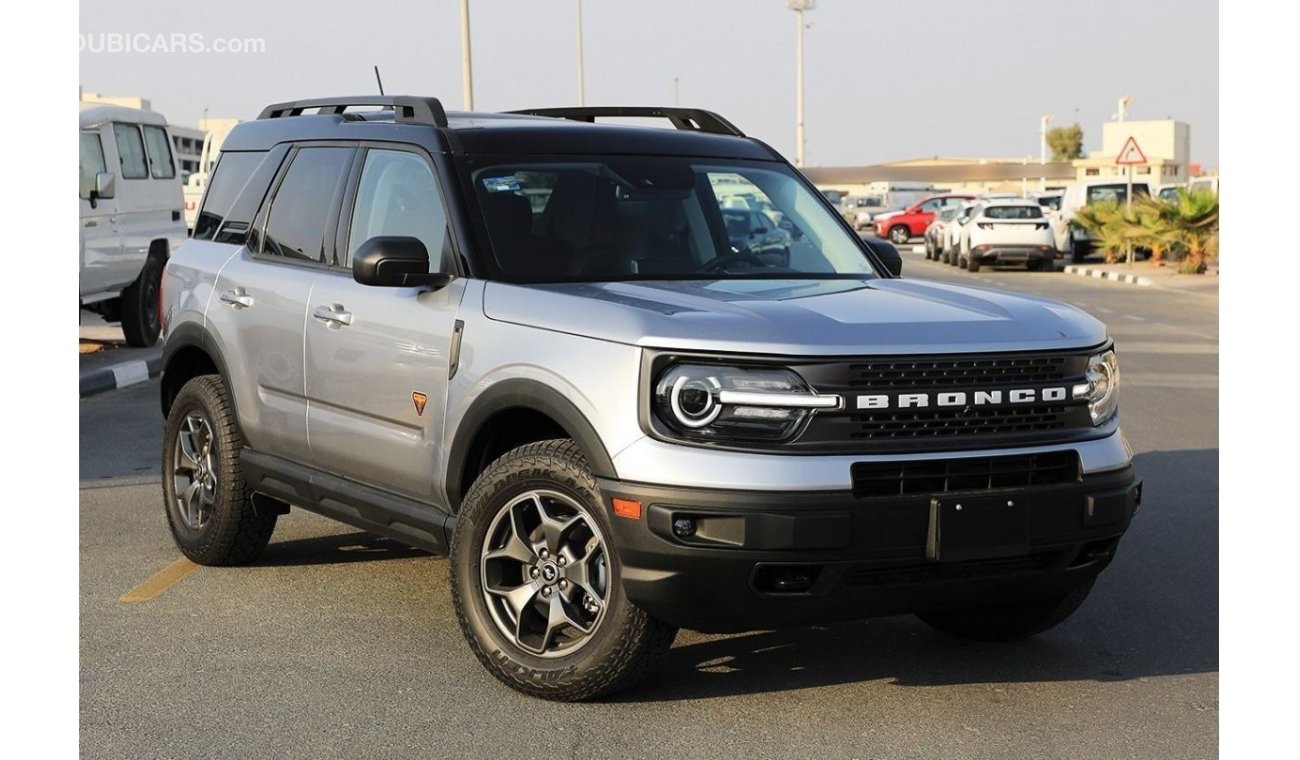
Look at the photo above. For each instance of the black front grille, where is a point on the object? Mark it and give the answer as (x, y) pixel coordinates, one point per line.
(941, 422)
(972, 372)
(940, 571)
(932, 476)
(953, 422)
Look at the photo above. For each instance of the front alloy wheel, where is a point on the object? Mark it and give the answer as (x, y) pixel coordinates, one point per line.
(544, 573)
(537, 583)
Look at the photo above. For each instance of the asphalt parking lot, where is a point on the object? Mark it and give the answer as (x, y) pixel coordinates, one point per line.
(339, 643)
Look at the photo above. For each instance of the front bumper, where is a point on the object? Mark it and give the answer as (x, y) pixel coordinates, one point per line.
(759, 559)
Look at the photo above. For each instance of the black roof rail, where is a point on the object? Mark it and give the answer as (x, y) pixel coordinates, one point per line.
(693, 119)
(406, 108)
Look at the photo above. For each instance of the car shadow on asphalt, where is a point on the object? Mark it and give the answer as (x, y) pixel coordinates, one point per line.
(335, 550)
(1154, 612)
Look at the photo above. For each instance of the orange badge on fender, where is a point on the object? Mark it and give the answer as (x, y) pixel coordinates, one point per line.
(419, 399)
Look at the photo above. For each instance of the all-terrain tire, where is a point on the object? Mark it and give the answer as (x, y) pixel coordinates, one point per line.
(141, 320)
(230, 530)
(625, 643)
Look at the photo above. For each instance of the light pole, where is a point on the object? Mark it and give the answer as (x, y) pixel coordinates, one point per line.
(1043, 121)
(799, 6)
(1122, 111)
(582, 97)
(466, 59)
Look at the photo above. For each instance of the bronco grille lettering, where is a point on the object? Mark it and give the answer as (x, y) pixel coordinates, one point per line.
(960, 398)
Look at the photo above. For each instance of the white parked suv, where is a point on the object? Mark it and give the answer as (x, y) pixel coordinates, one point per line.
(131, 215)
(1012, 231)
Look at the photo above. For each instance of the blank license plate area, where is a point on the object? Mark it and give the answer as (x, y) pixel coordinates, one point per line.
(977, 528)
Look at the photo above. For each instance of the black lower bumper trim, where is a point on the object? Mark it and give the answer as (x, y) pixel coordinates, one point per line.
(715, 560)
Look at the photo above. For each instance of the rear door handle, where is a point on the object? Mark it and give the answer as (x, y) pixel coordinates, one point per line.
(334, 315)
(237, 298)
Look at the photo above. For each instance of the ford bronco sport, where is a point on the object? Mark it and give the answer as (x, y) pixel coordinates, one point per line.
(527, 341)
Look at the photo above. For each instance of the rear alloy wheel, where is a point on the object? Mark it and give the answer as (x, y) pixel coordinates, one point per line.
(537, 584)
(899, 234)
(209, 508)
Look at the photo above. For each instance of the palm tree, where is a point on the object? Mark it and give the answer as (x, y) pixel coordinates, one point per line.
(1101, 221)
(1154, 226)
(1196, 227)
(1112, 226)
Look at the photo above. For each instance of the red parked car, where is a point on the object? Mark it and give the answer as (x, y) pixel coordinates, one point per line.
(912, 221)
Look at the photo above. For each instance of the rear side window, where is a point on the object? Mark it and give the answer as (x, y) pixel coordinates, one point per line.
(92, 161)
(295, 227)
(1013, 212)
(228, 179)
(130, 151)
(160, 153)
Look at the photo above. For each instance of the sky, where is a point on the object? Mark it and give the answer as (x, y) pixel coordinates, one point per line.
(884, 81)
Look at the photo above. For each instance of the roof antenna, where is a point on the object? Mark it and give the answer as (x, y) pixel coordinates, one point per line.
(380, 81)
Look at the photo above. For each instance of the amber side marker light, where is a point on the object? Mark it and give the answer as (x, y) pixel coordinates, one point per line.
(627, 508)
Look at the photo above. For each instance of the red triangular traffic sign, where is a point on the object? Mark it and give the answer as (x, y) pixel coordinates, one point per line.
(1130, 154)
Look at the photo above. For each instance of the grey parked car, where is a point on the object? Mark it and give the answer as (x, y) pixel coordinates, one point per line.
(528, 341)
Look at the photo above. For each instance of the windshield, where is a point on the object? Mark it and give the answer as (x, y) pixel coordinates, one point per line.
(647, 218)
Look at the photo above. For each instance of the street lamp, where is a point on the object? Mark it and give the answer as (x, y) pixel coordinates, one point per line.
(1124, 103)
(466, 65)
(582, 98)
(1043, 121)
(799, 6)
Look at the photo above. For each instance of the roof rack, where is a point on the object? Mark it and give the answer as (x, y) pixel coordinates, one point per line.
(407, 109)
(692, 119)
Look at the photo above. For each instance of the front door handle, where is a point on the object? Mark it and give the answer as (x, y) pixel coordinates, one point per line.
(237, 298)
(334, 315)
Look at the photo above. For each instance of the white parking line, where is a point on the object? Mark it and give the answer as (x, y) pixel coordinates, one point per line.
(1135, 317)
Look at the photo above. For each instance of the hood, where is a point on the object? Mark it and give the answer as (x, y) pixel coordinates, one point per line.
(797, 317)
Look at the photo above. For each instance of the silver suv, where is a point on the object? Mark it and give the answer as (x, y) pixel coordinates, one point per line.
(528, 341)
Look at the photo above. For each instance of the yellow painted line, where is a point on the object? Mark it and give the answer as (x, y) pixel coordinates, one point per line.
(160, 581)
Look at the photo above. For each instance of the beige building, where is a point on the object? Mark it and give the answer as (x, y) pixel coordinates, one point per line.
(1165, 143)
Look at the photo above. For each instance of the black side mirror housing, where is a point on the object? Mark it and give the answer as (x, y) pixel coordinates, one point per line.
(391, 261)
(886, 253)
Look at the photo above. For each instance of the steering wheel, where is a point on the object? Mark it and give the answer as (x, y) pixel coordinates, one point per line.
(730, 258)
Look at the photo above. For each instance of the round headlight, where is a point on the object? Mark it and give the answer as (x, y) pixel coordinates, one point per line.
(1102, 387)
(694, 400)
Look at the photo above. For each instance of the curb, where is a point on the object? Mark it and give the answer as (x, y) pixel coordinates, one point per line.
(1106, 274)
(116, 376)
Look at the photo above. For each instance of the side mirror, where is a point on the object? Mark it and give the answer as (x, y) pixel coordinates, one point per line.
(395, 262)
(887, 254)
(105, 185)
